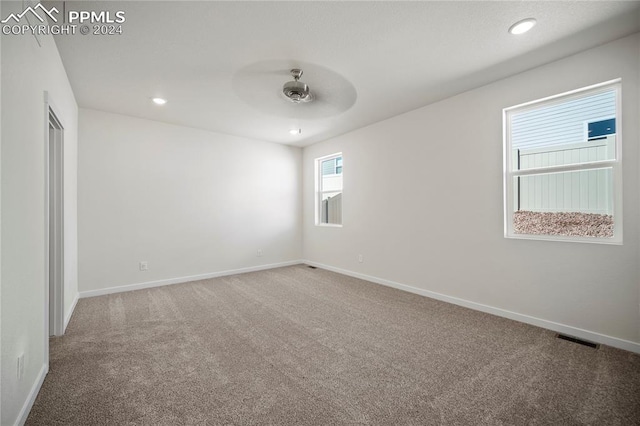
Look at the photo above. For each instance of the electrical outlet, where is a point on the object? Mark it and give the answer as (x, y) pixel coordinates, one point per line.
(360, 258)
(259, 253)
(144, 265)
(20, 367)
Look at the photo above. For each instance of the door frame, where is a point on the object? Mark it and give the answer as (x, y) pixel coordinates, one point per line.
(54, 304)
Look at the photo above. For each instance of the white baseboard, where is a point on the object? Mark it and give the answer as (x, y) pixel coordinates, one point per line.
(31, 398)
(178, 280)
(70, 313)
(539, 322)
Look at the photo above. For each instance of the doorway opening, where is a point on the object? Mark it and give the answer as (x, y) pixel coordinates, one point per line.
(55, 221)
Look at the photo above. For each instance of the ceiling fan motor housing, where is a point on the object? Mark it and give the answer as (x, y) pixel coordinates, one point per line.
(297, 91)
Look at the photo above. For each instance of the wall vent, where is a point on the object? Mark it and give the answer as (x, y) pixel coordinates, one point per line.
(578, 341)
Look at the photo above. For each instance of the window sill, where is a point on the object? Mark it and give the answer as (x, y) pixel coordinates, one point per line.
(566, 239)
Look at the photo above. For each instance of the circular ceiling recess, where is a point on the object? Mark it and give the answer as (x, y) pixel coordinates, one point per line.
(260, 85)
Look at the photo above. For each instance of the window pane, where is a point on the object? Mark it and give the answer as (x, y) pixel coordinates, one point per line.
(329, 167)
(576, 203)
(332, 182)
(561, 133)
(329, 190)
(331, 208)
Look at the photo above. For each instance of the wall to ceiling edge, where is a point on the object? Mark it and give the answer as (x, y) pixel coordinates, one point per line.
(423, 204)
(28, 70)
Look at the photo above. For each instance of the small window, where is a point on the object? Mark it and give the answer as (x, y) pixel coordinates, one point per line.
(562, 167)
(329, 190)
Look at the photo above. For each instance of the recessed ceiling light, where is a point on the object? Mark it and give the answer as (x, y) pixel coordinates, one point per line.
(523, 26)
(295, 131)
(159, 101)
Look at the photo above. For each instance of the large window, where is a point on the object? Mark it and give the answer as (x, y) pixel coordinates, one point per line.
(562, 167)
(329, 190)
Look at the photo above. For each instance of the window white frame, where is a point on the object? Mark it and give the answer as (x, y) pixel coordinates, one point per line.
(319, 190)
(615, 164)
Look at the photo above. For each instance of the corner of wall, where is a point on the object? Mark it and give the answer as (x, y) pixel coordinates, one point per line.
(69, 312)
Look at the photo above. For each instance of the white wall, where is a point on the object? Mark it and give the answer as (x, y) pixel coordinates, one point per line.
(188, 201)
(440, 225)
(27, 72)
(0, 221)
(638, 177)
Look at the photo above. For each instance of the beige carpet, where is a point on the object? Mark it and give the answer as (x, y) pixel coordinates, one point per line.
(298, 346)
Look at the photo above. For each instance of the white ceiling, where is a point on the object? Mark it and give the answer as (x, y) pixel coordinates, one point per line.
(221, 65)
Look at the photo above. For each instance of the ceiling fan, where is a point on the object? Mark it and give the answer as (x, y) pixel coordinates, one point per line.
(296, 91)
